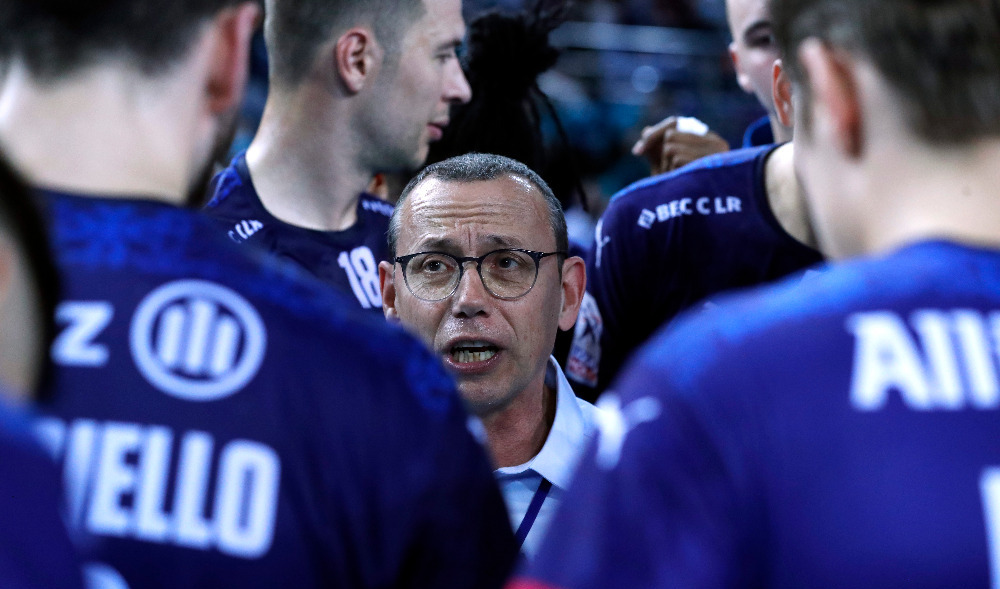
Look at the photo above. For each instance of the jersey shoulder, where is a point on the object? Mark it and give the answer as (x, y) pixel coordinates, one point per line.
(705, 188)
(759, 325)
(693, 178)
(231, 189)
(374, 206)
(161, 253)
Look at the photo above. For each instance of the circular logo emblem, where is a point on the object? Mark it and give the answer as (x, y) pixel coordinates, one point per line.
(197, 340)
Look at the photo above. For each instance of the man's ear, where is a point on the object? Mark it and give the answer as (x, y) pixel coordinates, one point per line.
(357, 55)
(781, 90)
(833, 86)
(742, 78)
(230, 63)
(387, 284)
(574, 283)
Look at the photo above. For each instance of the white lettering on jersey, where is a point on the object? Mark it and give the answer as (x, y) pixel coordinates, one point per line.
(646, 218)
(196, 340)
(377, 206)
(614, 424)
(705, 205)
(362, 272)
(114, 478)
(119, 477)
(84, 320)
(941, 360)
(244, 229)
(989, 489)
(599, 242)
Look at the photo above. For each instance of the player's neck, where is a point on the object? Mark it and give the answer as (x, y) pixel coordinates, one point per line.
(516, 434)
(780, 132)
(304, 171)
(785, 195)
(917, 193)
(106, 131)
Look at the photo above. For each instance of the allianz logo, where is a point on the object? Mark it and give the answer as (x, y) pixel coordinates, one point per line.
(244, 229)
(197, 341)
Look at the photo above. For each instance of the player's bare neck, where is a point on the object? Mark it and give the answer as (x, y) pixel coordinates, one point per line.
(100, 132)
(517, 434)
(781, 133)
(933, 193)
(303, 172)
(785, 195)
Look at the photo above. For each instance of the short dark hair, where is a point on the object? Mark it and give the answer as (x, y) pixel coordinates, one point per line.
(942, 57)
(22, 220)
(481, 167)
(56, 37)
(295, 29)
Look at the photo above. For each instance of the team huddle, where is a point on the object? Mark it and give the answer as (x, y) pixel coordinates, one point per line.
(784, 359)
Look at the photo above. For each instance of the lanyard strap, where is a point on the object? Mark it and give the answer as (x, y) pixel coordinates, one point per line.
(533, 508)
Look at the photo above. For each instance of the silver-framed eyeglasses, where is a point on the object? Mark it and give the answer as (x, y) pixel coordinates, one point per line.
(507, 274)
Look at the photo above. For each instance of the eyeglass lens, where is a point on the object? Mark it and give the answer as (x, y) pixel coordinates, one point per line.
(505, 273)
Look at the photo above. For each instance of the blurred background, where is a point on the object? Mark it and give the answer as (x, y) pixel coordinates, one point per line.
(624, 64)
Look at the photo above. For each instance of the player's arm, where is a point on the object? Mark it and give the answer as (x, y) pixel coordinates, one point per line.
(663, 499)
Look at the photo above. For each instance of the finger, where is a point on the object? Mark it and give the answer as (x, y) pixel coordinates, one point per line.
(666, 158)
(653, 135)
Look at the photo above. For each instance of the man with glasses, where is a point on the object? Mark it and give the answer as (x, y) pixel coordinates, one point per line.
(480, 272)
(220, 419)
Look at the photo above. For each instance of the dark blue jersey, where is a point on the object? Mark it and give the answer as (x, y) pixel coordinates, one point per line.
(759, 133)
(224, 421)
(842, 431)
(35, 550)
(347, 259)
(668, 242)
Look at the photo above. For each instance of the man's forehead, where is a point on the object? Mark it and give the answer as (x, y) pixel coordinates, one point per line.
(743, 13)
(441, 22)
(509, 206)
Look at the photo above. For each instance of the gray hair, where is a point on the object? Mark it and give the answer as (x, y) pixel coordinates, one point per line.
(480, 167)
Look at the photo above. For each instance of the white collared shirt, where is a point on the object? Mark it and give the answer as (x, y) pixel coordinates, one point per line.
(574, 425)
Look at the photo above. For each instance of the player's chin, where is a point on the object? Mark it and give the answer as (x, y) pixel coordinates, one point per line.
(420, 155)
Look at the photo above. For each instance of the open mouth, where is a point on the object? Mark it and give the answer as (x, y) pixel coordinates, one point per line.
(474, 351)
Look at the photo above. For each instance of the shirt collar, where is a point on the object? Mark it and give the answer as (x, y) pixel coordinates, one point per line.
(556, 459)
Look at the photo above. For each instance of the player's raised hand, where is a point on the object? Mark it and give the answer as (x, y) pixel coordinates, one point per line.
(675, 142)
